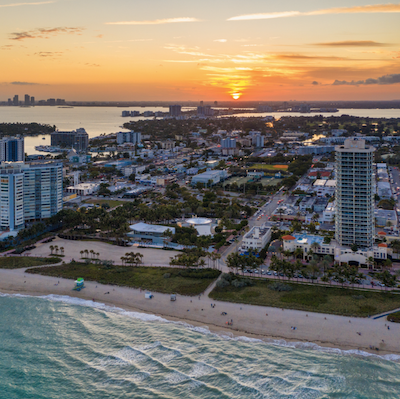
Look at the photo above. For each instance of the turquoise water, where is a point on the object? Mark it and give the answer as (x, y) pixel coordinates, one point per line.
(61, 347)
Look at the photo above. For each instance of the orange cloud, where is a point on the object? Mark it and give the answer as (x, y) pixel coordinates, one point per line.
(155, 21)
(353, 43)
(375, 8)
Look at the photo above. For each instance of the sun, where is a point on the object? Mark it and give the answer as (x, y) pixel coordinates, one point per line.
(236, 96)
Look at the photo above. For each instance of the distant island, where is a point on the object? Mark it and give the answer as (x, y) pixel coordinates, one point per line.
(25, 129)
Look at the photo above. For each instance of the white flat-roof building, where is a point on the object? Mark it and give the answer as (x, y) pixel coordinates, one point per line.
(150, 233)
(256, 238)
(83, 188)
(210, 177)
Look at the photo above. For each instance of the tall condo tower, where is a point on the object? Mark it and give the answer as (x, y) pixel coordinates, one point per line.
(12, 149)
(354, 222)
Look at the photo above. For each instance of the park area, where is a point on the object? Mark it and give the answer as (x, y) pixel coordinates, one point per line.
(307, 297)
(263, 166)
(160, 279)
(19, 262)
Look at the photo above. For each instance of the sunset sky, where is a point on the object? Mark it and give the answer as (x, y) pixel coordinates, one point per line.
(204, 50)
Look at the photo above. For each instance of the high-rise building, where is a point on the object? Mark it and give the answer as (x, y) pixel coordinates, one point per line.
(12, 149)
(11, 199)
(29, 192)
(77, 139)
(16, 100)
(27, 99)
(129, 137)
(175, 110)
(42, 190)
(258, 141)
(205, 111)
(32, 100)
(354, 222)
(228, 143)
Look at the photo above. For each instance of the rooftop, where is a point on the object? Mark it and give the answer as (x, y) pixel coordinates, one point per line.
(308, 239)
(150, 228)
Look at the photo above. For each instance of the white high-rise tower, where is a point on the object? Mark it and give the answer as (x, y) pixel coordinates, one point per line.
(354, 194)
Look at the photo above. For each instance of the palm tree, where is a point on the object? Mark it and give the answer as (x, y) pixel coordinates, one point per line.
(51, 249)
(314, 270)
(81, 252)
(56, 249)
(98, 254)
(370, 262)
(91, 253)
(62, 250)
(86, 253)
(326, 261)
(315, 247)
(298, 252)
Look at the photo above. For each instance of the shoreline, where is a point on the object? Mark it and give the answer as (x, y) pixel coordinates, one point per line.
(267, 324)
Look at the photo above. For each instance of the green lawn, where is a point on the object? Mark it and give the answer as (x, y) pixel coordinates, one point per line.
(18, 262)
(180, 281)
(263, 166)
(313, 298)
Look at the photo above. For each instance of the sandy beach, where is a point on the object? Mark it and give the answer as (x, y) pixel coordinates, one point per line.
(155, 257)
(265, 323)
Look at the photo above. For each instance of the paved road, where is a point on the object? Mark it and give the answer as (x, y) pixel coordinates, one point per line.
(267, 210)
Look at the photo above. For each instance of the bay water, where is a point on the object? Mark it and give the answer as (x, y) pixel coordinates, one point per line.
(99, 120)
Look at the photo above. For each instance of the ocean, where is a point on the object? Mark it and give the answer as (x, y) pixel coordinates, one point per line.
(62, 347)
(98, 120)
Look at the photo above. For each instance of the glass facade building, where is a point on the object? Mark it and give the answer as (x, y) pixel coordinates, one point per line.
(12, 149)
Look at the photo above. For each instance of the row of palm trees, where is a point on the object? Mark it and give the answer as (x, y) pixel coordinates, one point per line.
(54, 248)
(132, 258)
(93, 254)
(237, 262)
(337, 273)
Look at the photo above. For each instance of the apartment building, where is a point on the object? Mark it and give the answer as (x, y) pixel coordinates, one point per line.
(12, 149)
(77, 139)
(354, 222)
(29, 192)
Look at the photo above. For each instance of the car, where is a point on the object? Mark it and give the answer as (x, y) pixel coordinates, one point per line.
(269, 273)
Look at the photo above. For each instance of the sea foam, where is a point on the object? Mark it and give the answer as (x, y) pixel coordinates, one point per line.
(147, 317)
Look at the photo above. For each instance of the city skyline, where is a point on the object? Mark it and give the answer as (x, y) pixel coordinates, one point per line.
(256, 50)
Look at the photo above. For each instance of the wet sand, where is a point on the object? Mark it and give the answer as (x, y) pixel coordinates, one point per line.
(269, 324)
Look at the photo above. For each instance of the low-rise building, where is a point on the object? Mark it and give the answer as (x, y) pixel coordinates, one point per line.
(210, 177)
(83, 189)
(307, 203)
(313, 244)
(385, 218)
(149, 233)
(257, 238)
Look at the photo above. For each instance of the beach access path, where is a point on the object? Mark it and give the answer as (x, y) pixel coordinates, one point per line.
(348, 333)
